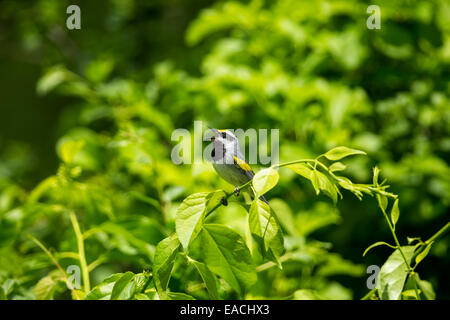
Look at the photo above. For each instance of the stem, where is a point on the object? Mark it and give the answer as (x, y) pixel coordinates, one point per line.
(410, 270)
(415, 281)
(369, 294)
(81, 253)
(226, 198)
(431, 239)
(294, 162)
(317, 162)
(55, 262)
(439, 233)
(271, 264)
(94, 264)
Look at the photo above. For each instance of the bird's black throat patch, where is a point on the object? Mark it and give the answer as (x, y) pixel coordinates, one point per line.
(217, 155)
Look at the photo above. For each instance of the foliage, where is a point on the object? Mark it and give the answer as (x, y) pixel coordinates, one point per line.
(140, 227)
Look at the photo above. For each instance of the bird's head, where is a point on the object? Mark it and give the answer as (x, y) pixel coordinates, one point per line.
(223, 136)
(224, 142)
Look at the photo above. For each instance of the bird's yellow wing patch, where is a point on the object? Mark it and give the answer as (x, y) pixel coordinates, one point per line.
(242, 164)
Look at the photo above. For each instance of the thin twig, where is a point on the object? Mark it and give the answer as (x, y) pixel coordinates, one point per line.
(55, 262)
(81, 253)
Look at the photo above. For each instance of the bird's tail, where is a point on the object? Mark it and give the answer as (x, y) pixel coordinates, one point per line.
(263, 199)
(250, 195)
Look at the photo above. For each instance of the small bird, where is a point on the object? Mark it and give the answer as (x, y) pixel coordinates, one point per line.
(228, 161)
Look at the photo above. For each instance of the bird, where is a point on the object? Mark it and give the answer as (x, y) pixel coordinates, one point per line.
(228, 161)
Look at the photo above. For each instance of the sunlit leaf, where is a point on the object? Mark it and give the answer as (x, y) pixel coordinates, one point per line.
(424, 253)
(164, 259)
(427, 289)
(306, 294)
(124, 288)
(337, 166)
(103, 290)
(189, 217)
(301, 169)
(224, 252)
(209, 278)
(264, 227)
(324, 184)
(341, 152)
(395, 212)
(264, 180)
(393, 273)
(45, 288)
(382, 201)
(52, 79)
(179, 296)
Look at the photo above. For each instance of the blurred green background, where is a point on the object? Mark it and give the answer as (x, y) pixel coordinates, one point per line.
(87, 116)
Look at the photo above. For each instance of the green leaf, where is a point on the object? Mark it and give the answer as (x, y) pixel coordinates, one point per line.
(208, 278)
(337, 166)
(45, 288)
(393, 273)
(213, 20)
(410, 294)
(141, 280)
(376, 244)
(179, 296)
(301, 169)
(141, 296)
(265, 180)
(8, 286)
(69, 149)
(77, 294)
(395, 212)
(382, 201)
(125, 240)
(315, 181)
(98, 70)
(306, 294)
(324, 184)
(214, 198)
(103, 290)
(224, 252)
(52, 79)
(376, 173)
(265, 229)
(424, 253)
(124, 288)
(165, 255)
(284, 214)
(347, 184)
(306, 172)
(189, 217)
(426, 288)
(341, 152)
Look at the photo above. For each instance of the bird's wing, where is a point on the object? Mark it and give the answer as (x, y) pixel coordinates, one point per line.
(243, 166)
(240, 163)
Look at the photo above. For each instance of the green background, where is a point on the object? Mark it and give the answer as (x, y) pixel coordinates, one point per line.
(139, 69)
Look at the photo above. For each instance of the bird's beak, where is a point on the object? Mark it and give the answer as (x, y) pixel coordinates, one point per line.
(216, 133)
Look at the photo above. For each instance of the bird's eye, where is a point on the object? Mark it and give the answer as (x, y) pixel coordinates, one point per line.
(224, 135)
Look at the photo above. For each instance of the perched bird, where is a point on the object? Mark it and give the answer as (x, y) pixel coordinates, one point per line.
(228, 161)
